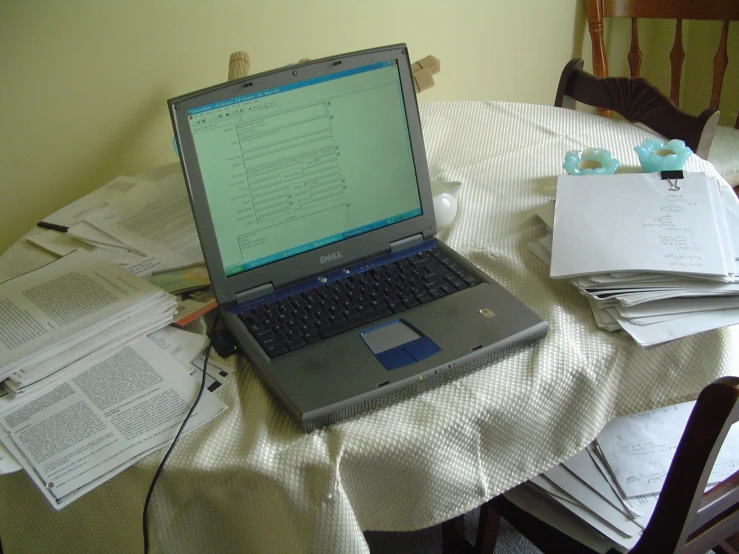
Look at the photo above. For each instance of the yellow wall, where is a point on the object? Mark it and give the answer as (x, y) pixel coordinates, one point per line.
(84, 84)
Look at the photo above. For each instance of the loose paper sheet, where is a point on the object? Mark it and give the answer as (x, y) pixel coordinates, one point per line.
(639, 448)
(157, 221)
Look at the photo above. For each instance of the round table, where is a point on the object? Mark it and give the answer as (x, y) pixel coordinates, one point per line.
(252, 481)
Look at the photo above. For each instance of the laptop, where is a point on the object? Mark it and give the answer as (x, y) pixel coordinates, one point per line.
(311, 196)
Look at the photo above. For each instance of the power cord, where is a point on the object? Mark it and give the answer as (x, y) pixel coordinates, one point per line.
(176, 438)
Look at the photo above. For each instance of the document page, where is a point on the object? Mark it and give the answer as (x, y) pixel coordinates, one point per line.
(98, 199)
(93, 426)
(183, 346)
(639, 448)
(45, 311)
(156, 220)
(634, 222)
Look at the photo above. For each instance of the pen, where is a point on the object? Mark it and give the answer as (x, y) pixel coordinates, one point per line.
(52, 226)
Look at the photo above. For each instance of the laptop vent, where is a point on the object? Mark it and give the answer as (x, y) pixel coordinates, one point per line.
(428, 383)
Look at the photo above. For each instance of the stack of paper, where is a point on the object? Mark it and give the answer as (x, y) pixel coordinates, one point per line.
(145, 227)
(61, 318)
(141, 225)
(86, 429)
(614, 483)
(655, 260)
(92, 377)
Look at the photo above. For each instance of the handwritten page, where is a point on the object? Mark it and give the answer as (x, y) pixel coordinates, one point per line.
(533, 500)
(634, 222)
(584, 468)
(639, 448)
(587, 497)
(625, 535)
(730, 205)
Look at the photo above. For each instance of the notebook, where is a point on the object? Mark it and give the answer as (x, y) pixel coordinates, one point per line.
(311, 195)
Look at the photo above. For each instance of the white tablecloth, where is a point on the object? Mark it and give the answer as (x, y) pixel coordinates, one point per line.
(252, 481)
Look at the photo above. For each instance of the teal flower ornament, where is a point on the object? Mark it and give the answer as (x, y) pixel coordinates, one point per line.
(655, 155)
(591, 161)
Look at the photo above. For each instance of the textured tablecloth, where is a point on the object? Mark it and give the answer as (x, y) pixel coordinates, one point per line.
(252, 481)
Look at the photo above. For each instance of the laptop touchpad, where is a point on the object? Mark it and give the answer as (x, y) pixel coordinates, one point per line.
(396, 344)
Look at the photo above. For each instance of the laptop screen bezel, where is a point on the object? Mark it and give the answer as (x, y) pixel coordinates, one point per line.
(307, 264)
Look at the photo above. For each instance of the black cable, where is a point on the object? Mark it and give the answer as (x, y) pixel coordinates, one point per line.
(176, 438)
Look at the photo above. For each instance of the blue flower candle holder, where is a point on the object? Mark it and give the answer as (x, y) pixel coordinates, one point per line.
(655, 155)
(591, 161)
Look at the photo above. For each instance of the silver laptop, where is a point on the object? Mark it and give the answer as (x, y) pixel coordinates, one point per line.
(311, 195)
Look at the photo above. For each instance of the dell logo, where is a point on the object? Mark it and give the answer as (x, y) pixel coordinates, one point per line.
(331, 257)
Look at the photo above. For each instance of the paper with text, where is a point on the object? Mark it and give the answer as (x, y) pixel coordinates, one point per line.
(156, 220)
(93, 426)
(98, 199)
(634, 222)
(639, 448)
(45, 312)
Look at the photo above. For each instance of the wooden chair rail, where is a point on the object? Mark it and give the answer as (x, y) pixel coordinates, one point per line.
(713, 10)
(637, 101)
(707, 10)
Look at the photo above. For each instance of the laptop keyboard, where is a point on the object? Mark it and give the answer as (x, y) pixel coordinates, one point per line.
(327, 310)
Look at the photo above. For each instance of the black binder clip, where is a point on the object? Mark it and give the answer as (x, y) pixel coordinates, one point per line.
(672, 177)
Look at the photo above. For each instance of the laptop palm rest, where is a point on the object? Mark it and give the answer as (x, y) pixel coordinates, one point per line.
(396, 344)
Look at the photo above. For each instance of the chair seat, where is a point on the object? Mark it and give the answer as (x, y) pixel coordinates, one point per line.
(724, 154)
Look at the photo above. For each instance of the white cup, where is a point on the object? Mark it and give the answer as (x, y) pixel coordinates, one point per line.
(445, 202)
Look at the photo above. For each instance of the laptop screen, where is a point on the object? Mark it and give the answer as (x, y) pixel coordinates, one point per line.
(300, 166)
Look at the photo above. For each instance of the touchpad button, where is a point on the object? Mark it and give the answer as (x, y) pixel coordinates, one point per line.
(397, 344)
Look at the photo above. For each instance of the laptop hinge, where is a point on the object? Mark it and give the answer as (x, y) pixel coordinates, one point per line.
(255, 292)
(407, 242)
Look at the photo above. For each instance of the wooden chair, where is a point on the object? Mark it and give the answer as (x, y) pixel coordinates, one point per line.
(685, 519)
(637, 101)
(726, 153)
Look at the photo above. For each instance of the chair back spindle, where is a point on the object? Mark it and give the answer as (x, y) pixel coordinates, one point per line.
(679, 10)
